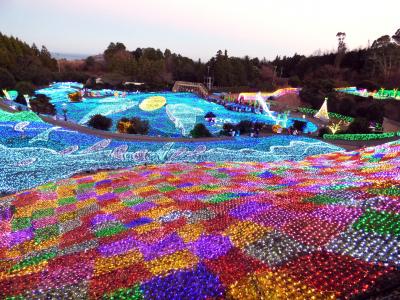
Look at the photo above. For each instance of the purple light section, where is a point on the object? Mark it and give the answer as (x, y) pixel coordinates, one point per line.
(118, 247)
(249, 209)
(211, 247)
(169, 245)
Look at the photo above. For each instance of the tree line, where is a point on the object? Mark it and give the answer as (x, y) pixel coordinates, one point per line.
(371, 67)
(20, 62)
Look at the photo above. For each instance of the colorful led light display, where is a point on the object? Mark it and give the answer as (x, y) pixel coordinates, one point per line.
(169, 114)
(152, 103)
(278, 93)
(326, 227)
(26, 116)
(361, 136)
(193, 220)
(311, 111)
(381, 94)
(33, 153)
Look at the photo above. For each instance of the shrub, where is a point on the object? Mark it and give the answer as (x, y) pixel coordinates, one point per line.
(266, 128)
(133, 126)
(200, 131)
(259, 125)
(227, 128)
(75, 97)
(209, 115)
(359, 125)
(323, 131)
(100, 122)
(138, 126)
(25, 88)
(368, 84)
(122, 125)
(41, 105)
(299, 125)
(21, 99)
(245, 126)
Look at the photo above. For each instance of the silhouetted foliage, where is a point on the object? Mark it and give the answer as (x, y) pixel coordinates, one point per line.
(200, 131)
(41, 104)
(21, 99)
(227, 128)
(294, 81)
(100, 122)
(138, 126)
(359, 125)
(315, 91)
(299, 125)
(25, 88)
(7, 80)
(323, 131)
(133, 126)
(209, 115)
(368, 84)
(25, 62)
(245, 126)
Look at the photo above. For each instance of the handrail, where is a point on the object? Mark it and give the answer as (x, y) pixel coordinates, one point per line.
(196, 85)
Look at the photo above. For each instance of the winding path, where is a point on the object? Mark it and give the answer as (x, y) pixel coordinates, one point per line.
(126, 137)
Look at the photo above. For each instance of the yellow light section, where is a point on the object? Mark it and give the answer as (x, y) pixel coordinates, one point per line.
(152, 103)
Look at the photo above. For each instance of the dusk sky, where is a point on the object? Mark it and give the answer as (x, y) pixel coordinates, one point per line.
(198, 29)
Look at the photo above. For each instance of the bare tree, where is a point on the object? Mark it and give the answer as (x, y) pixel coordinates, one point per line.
(341, 48)
(385, 55)
(396, 37)
(341, 45)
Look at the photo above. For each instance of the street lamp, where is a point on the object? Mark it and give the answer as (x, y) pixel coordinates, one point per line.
(64, 109)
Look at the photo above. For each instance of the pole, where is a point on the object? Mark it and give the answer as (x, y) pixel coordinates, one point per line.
(273, 80)
(64, 109)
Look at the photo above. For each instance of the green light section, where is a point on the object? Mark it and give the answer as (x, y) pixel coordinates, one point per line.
(379, 222)
(38, 214)
(111, 230)
(133, 293)
(19, 297)
(221, 198)
(167, 188)
(65, 201)
(121, 189)
(391, 191)
(382, 94)
(33, 261)
(43, 234)
(20, 223)
(133, 202)
(322, 199)
(19, 116)
(361, 137)
(210, 187)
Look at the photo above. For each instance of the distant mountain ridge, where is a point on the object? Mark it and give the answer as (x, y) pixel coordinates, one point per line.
(68, 56)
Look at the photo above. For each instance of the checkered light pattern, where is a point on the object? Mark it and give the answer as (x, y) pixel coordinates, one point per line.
(323, 228)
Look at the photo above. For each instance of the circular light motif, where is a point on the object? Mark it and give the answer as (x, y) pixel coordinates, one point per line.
(152, 103)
